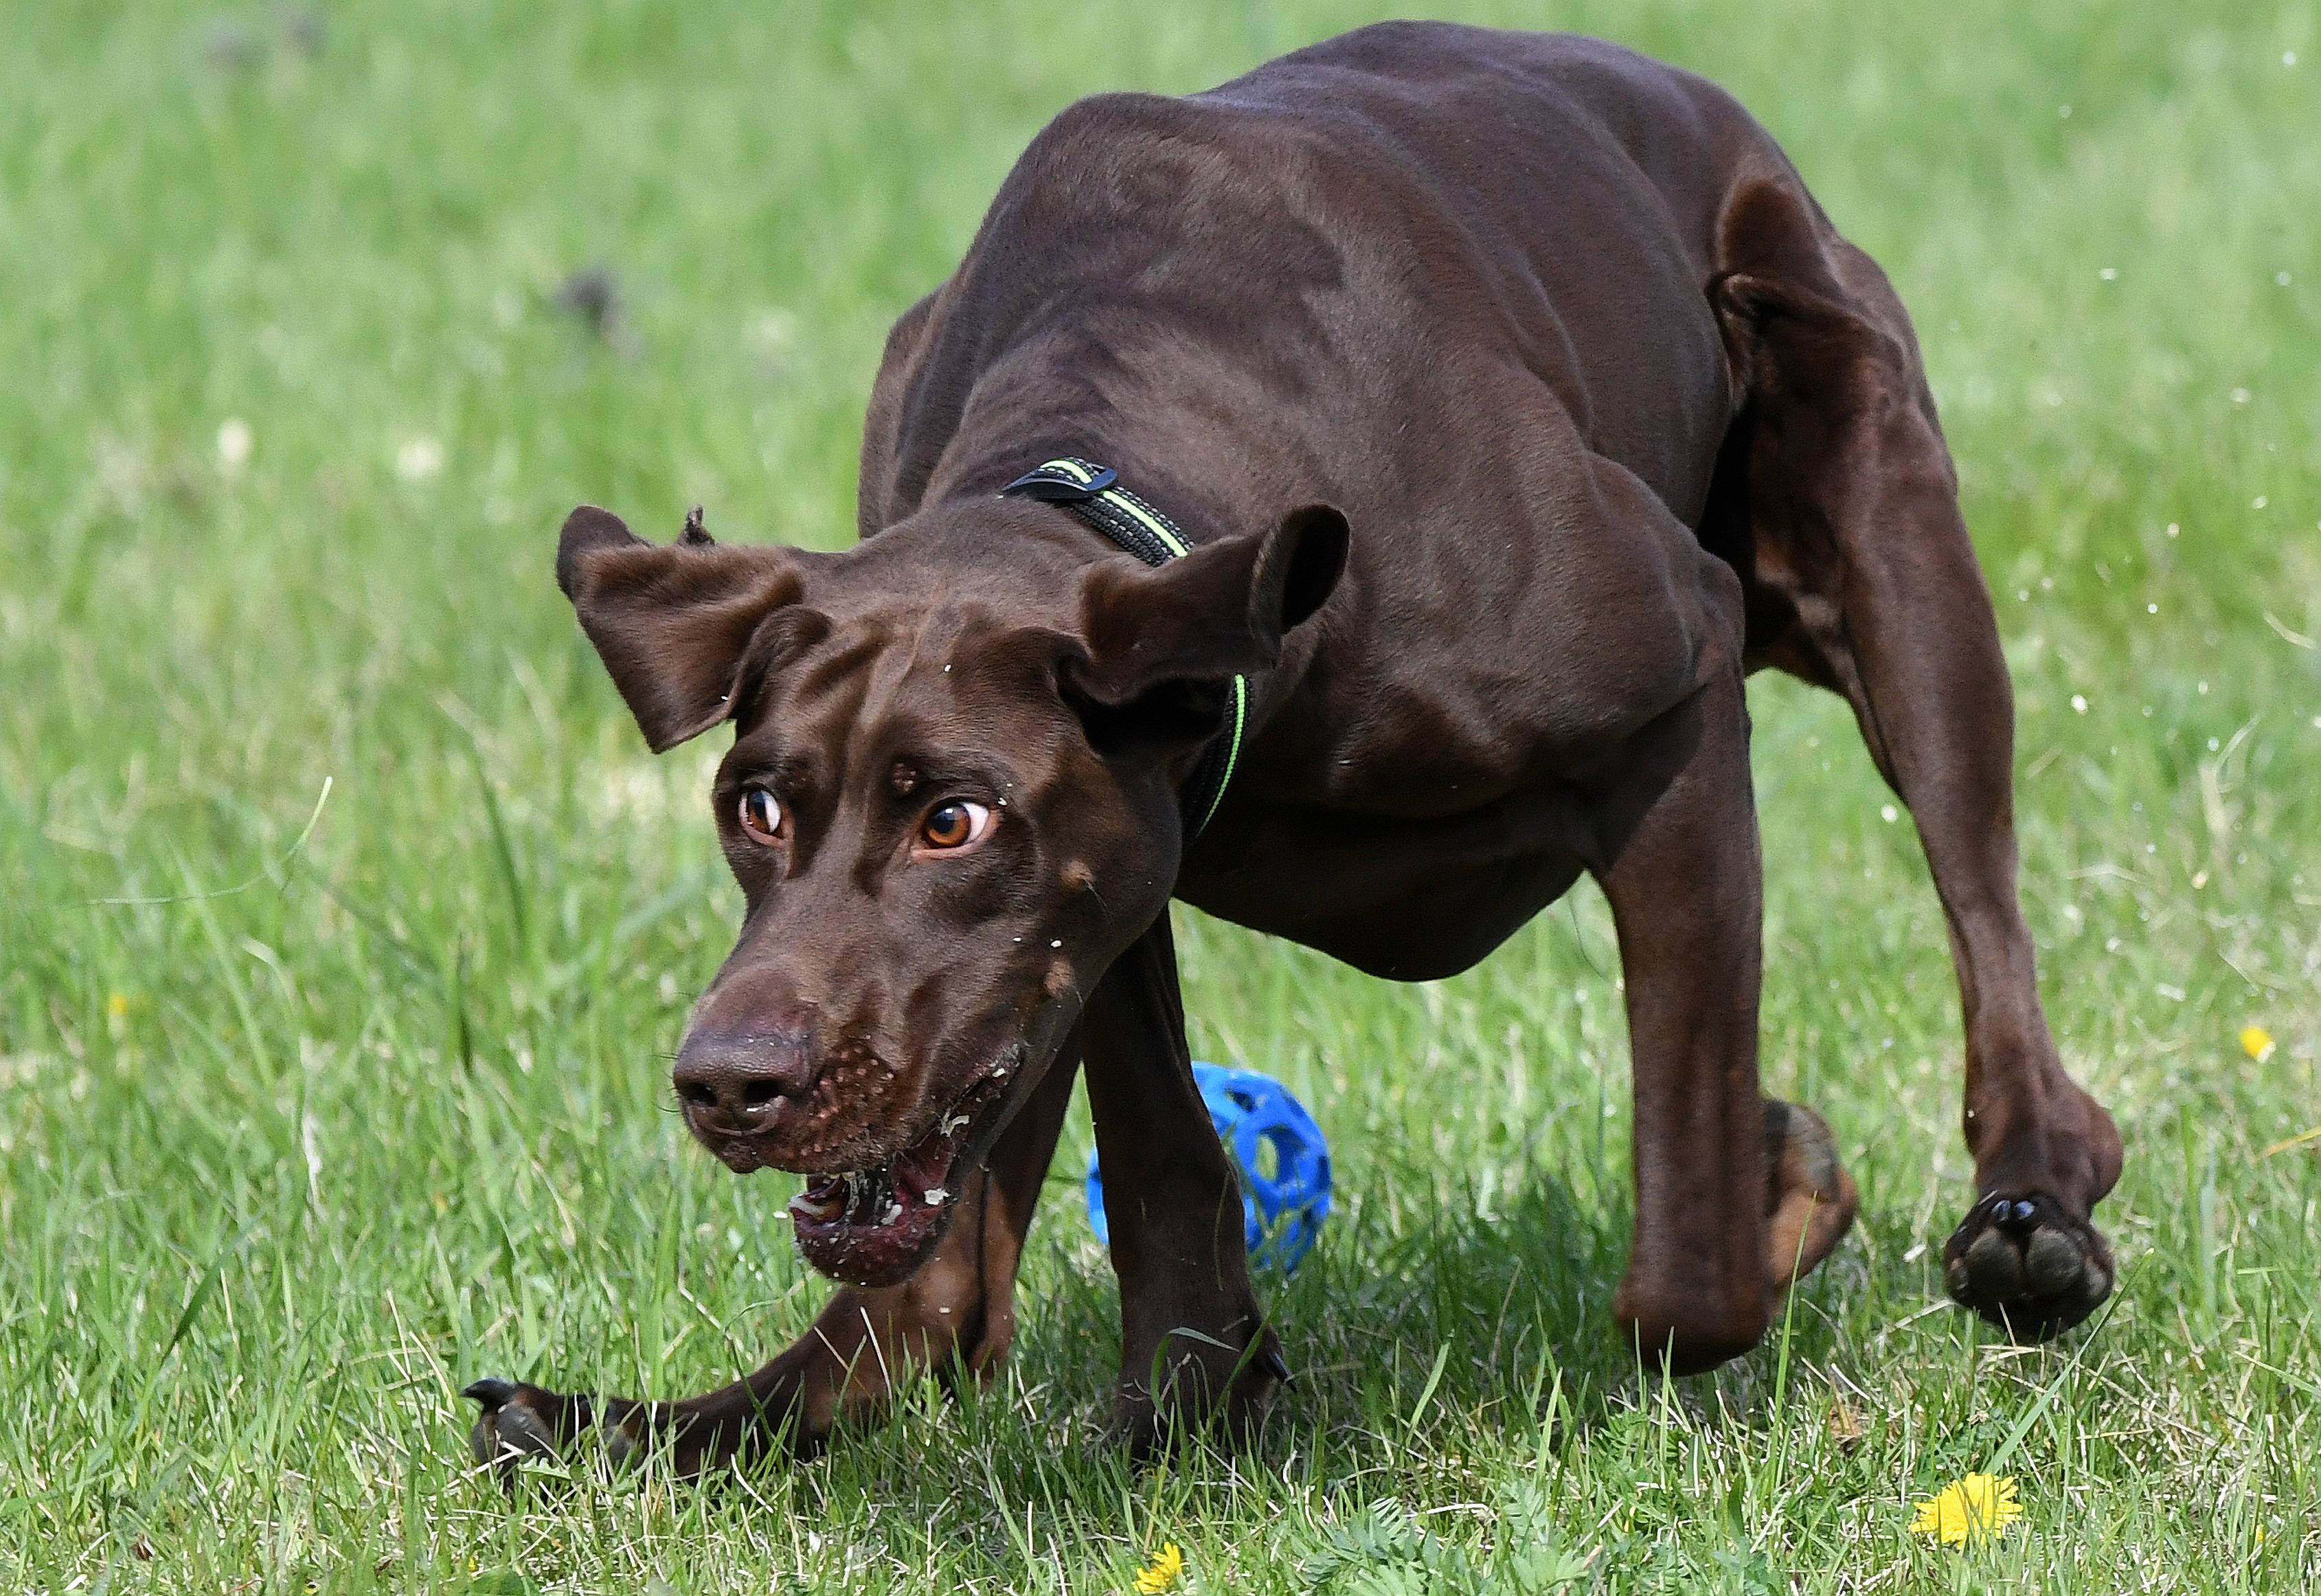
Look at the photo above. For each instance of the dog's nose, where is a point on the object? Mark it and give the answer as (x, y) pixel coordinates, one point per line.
(738, 1080)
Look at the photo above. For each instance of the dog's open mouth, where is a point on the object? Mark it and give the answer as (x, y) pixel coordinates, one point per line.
(872, 1226)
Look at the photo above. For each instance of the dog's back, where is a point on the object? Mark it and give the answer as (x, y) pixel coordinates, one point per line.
(1410, 204)
(1559, 196)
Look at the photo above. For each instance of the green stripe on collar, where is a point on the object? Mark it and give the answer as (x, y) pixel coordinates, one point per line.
(1094, 494)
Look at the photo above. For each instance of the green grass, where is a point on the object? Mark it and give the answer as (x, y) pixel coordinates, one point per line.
(296, 1137)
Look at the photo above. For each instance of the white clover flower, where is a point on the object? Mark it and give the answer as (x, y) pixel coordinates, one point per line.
(420, 460)
(234, 441)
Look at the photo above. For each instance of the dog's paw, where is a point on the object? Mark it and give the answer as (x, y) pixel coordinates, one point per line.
(520, 1421)
(1209, 1391)
(2022, 1263)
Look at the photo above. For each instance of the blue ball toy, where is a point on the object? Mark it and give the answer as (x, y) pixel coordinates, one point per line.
(1254, 1114)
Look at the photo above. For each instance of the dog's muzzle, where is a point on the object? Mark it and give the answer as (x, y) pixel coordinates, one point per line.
(873, 1227)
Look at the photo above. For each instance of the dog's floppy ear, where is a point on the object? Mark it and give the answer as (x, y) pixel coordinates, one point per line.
(1159, 647)
(684, 631)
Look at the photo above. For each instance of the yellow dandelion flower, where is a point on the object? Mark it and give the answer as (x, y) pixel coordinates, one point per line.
(117, 1005)
(1166, 1569)
(1978, 1505)
(2256, 1042)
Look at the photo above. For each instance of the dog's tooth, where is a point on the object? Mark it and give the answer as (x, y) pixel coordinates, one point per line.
(936, 1197)
(824, 1209)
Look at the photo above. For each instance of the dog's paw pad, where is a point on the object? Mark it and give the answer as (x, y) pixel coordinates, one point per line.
(2023, 1263)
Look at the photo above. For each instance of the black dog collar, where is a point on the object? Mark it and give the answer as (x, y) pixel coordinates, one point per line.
(1094, 494)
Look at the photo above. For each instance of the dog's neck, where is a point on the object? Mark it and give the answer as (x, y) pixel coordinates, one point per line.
(1202, 444)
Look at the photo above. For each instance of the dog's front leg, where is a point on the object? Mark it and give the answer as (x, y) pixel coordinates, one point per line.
(1735, 1195)
(1194, 1346)
(955, 1313)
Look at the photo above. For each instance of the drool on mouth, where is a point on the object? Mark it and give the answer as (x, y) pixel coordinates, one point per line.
(872, 1226)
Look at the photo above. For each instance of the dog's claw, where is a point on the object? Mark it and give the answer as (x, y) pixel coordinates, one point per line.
(2023, 1265)
(2016, 1217)
(1277, 1366)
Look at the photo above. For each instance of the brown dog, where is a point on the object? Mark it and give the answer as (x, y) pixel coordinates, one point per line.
(1509, 399)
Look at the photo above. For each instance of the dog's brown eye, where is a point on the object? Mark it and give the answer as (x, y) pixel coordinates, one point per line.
(954, 824)
(762, 815)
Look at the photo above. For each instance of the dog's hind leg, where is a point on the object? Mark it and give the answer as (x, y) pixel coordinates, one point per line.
(1861, 578)
(955, 1313)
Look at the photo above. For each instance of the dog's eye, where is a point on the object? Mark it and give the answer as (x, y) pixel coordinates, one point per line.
(762, 815)
(954, 824)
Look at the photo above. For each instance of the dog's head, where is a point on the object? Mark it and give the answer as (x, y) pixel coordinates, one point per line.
(950, 804)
